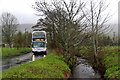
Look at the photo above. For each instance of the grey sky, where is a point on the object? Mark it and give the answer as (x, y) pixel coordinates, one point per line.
(25, 14)
(20, 8)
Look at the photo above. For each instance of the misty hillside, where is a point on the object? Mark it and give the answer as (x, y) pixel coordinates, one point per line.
(114, 28)
(22, 28)
(28, 27)
(0, 35)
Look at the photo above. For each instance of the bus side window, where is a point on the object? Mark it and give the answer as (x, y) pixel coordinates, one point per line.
(33, 39)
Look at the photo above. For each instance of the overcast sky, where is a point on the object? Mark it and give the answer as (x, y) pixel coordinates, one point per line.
(25, 14)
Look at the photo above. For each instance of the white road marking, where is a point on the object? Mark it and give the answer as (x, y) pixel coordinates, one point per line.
(33, 58)
(44, 56)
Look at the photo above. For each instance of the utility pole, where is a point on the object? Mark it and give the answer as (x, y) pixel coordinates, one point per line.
(113, 38)
(25, 37)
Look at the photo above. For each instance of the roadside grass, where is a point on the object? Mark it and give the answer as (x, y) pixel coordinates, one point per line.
(111, 61)
(11, 52)
(52, 66)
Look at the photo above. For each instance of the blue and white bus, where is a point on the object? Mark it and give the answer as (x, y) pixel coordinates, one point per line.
(39, 42)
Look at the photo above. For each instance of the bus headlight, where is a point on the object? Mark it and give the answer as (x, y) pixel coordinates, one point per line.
(33, 49)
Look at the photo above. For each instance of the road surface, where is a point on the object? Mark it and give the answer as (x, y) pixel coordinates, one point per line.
(16, 61)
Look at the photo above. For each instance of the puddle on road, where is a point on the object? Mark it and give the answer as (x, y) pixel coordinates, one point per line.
(13, 62)
(37, 57)
(84, 70)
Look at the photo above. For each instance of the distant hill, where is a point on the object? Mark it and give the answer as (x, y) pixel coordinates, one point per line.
(28, 27)
(22, 28)
(0, 35)
(114, 28)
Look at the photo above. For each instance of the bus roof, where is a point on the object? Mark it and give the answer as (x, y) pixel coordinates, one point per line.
(38, 31)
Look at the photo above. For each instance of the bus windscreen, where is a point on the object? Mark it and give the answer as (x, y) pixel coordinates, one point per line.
(38, 45)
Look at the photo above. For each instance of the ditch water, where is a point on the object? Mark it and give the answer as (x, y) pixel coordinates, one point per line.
(83, 70)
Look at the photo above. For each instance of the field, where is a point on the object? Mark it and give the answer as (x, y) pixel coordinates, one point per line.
(11, 52)
(111, 61)
(51, 66)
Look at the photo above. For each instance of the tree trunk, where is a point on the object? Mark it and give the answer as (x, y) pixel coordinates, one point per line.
(10, 45)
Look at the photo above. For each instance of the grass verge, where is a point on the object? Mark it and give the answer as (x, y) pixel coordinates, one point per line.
(51, 66)
(109, 56)
(111, 61)
(11, 52)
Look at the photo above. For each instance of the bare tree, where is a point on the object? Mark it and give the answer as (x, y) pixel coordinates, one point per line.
(97, 19)
(9, 27)
(65, 23)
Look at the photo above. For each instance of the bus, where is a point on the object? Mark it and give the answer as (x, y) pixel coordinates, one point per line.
(39, 42)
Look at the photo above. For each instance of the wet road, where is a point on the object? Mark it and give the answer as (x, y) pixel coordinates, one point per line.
(84, 71)
(16, 61)
(81, 71)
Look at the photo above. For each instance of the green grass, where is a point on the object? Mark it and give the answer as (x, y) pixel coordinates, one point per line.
(110, 56)
(85, 51)
(111, 61)
(11, 52)
(51, 66)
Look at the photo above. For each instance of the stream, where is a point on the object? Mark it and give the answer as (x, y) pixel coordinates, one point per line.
(83, 70)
